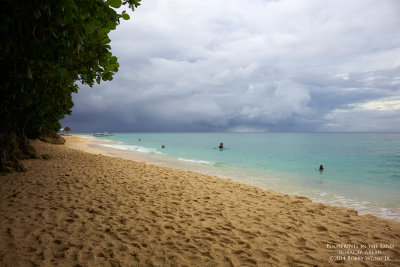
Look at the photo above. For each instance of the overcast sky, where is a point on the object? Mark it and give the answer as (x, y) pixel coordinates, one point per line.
(255, 65)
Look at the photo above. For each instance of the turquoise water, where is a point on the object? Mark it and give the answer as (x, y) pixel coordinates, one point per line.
(362, 170)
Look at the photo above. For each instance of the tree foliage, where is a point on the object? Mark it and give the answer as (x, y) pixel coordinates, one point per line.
(67, 129)
(46, 47)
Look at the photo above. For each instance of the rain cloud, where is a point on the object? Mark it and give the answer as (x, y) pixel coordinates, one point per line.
(258, 65)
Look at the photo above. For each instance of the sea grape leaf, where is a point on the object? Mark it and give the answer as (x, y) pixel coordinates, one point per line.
(125, 16)
(114, 3)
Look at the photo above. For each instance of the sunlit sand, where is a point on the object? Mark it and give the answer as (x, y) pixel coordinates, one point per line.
(86, 209)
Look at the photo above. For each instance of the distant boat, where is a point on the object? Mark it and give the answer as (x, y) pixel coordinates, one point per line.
(101, 134)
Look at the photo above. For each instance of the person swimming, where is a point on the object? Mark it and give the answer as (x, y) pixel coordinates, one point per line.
(221, 146)
(321, 168)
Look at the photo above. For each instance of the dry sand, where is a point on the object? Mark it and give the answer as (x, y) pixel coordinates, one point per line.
(81, 209)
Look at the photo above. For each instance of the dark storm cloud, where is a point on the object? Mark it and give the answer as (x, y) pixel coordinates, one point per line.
(254, 66)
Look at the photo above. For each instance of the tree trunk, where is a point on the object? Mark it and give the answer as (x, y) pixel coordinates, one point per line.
(14, 147)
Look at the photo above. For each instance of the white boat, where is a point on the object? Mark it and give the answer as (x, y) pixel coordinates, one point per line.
(101, 134)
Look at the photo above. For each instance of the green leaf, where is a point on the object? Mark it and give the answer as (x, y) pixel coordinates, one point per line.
(126, 16)
(29, 72)
(111, 25)
(89, 28)
(103, 32)
(136, 3)
(114, 3)
(113, 59)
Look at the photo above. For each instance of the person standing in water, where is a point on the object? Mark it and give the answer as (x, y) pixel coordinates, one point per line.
(321, 168)
(221, 146)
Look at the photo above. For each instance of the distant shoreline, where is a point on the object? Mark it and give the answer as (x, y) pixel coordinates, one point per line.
(265, 179)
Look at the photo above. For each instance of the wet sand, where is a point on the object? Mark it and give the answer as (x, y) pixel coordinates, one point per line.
(88, 209)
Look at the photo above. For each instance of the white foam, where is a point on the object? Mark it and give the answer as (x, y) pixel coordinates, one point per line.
(363, 207)
(87, 137)
(133, 148)
(197, 161)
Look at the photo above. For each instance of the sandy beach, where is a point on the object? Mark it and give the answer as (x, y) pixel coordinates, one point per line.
(90, 209)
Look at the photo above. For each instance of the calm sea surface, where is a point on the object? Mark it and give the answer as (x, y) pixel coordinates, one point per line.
(362, 170)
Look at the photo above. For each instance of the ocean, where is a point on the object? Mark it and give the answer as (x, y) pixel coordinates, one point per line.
(361, 170)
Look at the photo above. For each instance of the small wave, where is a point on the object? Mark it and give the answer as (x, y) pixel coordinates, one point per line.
(363, 207)
(323, 194)
(133, 148)
(197, 161)
(87, 137)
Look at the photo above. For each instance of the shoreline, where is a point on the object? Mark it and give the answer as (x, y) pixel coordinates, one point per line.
(96, 210)
(267, 181)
